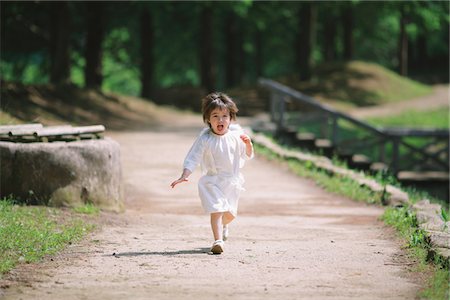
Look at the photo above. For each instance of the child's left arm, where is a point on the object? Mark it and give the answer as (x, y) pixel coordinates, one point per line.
(248, 144)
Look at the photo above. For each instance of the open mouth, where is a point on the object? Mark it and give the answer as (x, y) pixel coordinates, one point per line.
(219, 127)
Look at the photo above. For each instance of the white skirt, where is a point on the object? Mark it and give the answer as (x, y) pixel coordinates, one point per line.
(220, 193)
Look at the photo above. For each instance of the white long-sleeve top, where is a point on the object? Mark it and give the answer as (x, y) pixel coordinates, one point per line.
(221, 157)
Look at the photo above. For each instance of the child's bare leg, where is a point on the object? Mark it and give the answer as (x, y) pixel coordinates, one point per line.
(216, 225)
(227, 218)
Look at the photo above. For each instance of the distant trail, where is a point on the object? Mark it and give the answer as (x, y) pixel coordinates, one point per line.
(291, 240)
(438, 99)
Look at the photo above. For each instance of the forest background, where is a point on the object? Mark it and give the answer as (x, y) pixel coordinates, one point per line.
(142, 47)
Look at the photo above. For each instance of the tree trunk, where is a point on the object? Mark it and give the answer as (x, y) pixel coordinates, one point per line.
(306, 38)
(421, 53)
(329, 38)
(95, 33)
(146, 54)
(259, 54)
(403, 46)
(347, 24)
(235, 56)
(60, 42)
(207, 74)
(230, 48)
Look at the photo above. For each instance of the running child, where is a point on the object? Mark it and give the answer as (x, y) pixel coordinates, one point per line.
(220, 150)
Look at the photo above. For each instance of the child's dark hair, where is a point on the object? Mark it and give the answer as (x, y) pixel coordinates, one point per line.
(218, 100)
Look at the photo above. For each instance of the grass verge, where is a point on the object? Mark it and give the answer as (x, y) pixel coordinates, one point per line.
(336, 184)
(88, 209)
(405, 222)
(417, 245)
(438, 118)
(28, 233)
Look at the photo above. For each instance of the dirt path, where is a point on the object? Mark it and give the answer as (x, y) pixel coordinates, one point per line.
(438, 99)
(291, 240)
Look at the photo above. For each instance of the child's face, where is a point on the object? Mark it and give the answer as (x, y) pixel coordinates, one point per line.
(219, 119)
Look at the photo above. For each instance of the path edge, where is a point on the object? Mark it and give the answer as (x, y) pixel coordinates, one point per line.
(428, 214)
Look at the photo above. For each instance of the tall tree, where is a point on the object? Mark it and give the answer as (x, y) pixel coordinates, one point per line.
(347, 26)
(147, 63)
(329, 20)
(94, 38)
(207, 67)
(403, 43)
(59, 42)
(259, 53)
(234, 52)
(261, 16)
(307, 13)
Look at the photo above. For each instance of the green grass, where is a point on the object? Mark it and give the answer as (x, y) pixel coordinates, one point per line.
(88, 209)
(335, 184)
(417, 119)
(437, 287)
(341, 185)
(28, 233)
(357, 83)
(393, 87)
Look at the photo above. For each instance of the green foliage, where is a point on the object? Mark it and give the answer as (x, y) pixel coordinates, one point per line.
(120, 71)
(402, 219)
(88, 209)
(438, 286)
(27, 70)
(77, 70)
(177, 41)
(417, 242)
(444, 215)
(29, 233)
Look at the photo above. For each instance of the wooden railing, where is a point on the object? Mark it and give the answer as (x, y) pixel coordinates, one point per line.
(397, 148)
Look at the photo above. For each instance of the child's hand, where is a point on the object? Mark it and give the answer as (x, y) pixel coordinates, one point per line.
(183, 178)
(180, 180)
(246, 139)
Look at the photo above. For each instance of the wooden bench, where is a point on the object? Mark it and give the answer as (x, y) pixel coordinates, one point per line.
(30, 133)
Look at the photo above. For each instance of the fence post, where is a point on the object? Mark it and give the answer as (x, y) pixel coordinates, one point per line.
(282, 108)
(395, 155)
(335, 128)
(382, 153)
(273, 106)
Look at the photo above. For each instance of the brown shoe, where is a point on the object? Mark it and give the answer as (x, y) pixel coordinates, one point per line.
(217, 247)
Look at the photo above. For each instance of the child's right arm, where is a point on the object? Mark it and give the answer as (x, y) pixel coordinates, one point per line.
(183, 178)
(192, 159)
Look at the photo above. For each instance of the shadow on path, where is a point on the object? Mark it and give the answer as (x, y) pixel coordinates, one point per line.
(163, 253)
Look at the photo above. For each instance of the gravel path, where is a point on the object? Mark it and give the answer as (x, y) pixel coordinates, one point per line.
(291, 240)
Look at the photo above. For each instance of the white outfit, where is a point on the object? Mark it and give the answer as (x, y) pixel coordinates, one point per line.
(220, 157)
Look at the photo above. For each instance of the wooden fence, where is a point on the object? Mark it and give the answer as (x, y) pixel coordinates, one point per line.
(305, 120)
